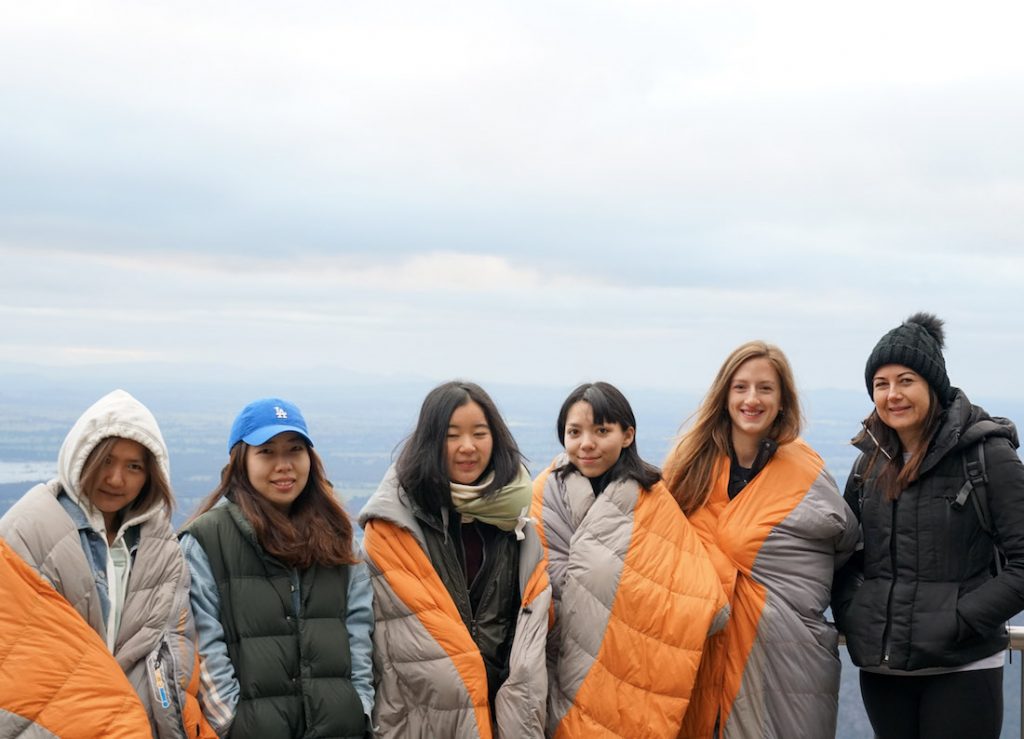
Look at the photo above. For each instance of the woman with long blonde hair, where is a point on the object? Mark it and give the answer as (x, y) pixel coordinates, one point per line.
(776, 528)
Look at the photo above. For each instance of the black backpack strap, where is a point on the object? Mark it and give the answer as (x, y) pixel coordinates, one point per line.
(976, 481)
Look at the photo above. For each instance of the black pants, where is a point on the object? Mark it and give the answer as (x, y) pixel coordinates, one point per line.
(949, 706)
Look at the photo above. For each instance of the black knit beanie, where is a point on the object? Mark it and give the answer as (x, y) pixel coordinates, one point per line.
(916, 343)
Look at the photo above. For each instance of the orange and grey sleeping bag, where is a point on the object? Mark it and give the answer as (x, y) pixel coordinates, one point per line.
(57, 677)
(429, 674)
(635, 600)
(774, 670)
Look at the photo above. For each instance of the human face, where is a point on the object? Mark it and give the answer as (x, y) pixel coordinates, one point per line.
(120, 480)
(593, 448)
(902, 400)
(755, 398)
(469, 444)
(279, 469)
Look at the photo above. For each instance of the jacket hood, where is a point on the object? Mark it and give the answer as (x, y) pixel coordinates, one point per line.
(965, 425)
(115, 414)
(990, 427)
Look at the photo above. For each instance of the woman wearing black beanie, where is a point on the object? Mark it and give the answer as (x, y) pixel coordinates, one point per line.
(939, 491)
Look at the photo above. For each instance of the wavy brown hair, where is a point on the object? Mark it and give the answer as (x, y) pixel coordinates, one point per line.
(157, 487)
(316, 529)
(894, 475)
(693, 465)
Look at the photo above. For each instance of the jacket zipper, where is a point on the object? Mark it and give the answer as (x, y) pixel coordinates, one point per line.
(892, 586)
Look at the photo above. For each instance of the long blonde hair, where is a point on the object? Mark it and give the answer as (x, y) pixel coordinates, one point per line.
(693, 465)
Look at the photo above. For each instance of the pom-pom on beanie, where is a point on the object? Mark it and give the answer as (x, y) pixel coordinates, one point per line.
(917, 343)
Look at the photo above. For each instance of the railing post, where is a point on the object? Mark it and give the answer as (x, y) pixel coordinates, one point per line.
(1017, 645)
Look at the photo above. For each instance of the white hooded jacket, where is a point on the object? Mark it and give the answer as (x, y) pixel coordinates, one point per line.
(54, 528)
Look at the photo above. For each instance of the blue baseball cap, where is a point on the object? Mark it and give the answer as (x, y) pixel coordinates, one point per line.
(265, 418)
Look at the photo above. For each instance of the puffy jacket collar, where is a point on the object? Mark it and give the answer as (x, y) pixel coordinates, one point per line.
(390, 503)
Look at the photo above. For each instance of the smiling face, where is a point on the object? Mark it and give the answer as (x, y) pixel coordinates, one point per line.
(279, 469)
(469, 444)
(121, 478)
(593, 448)
(902, 399)
(754, 400)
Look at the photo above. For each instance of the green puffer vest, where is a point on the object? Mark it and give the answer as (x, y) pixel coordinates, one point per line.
(294, 670)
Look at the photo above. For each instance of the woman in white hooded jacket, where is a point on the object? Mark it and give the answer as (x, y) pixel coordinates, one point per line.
(101, 535)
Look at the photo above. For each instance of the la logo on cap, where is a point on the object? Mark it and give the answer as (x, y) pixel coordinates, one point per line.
(280, 412)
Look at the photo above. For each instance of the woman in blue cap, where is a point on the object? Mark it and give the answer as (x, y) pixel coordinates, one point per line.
(282, 604)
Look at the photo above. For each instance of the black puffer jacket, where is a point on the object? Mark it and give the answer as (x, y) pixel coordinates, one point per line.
(921, 593)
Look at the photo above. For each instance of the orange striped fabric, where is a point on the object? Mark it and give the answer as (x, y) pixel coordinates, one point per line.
(742, 530)
(412, 578)
(55, 671)
(639, 682)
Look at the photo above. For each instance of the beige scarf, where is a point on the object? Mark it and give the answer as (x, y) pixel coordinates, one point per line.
(507, 509)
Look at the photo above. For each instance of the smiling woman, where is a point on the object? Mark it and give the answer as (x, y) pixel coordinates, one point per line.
(469, 444)
(776, 528)
(279, 469)
(101, 530)
(114, 476)
(461, 592)
(923, 604)
(619, 550)
(289, 665)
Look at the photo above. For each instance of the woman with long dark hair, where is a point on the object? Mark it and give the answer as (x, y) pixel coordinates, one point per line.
(461, 595)
(281, 601)
(635, 593)
(776, 528)
(924, 604)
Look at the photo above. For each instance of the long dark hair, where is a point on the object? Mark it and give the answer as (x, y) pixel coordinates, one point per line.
(609, 405)
(316, 529)
(894, 474)
(422, 465)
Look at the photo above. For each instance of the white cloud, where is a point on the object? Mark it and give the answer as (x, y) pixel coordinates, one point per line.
(519, 191)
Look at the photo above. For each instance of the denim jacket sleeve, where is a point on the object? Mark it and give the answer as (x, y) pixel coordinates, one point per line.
(218, 687)
(359, 622)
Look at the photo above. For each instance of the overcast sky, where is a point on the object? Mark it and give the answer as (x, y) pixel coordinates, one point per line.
(526, 192)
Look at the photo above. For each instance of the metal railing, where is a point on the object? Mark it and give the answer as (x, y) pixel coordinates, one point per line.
(1017, 645)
